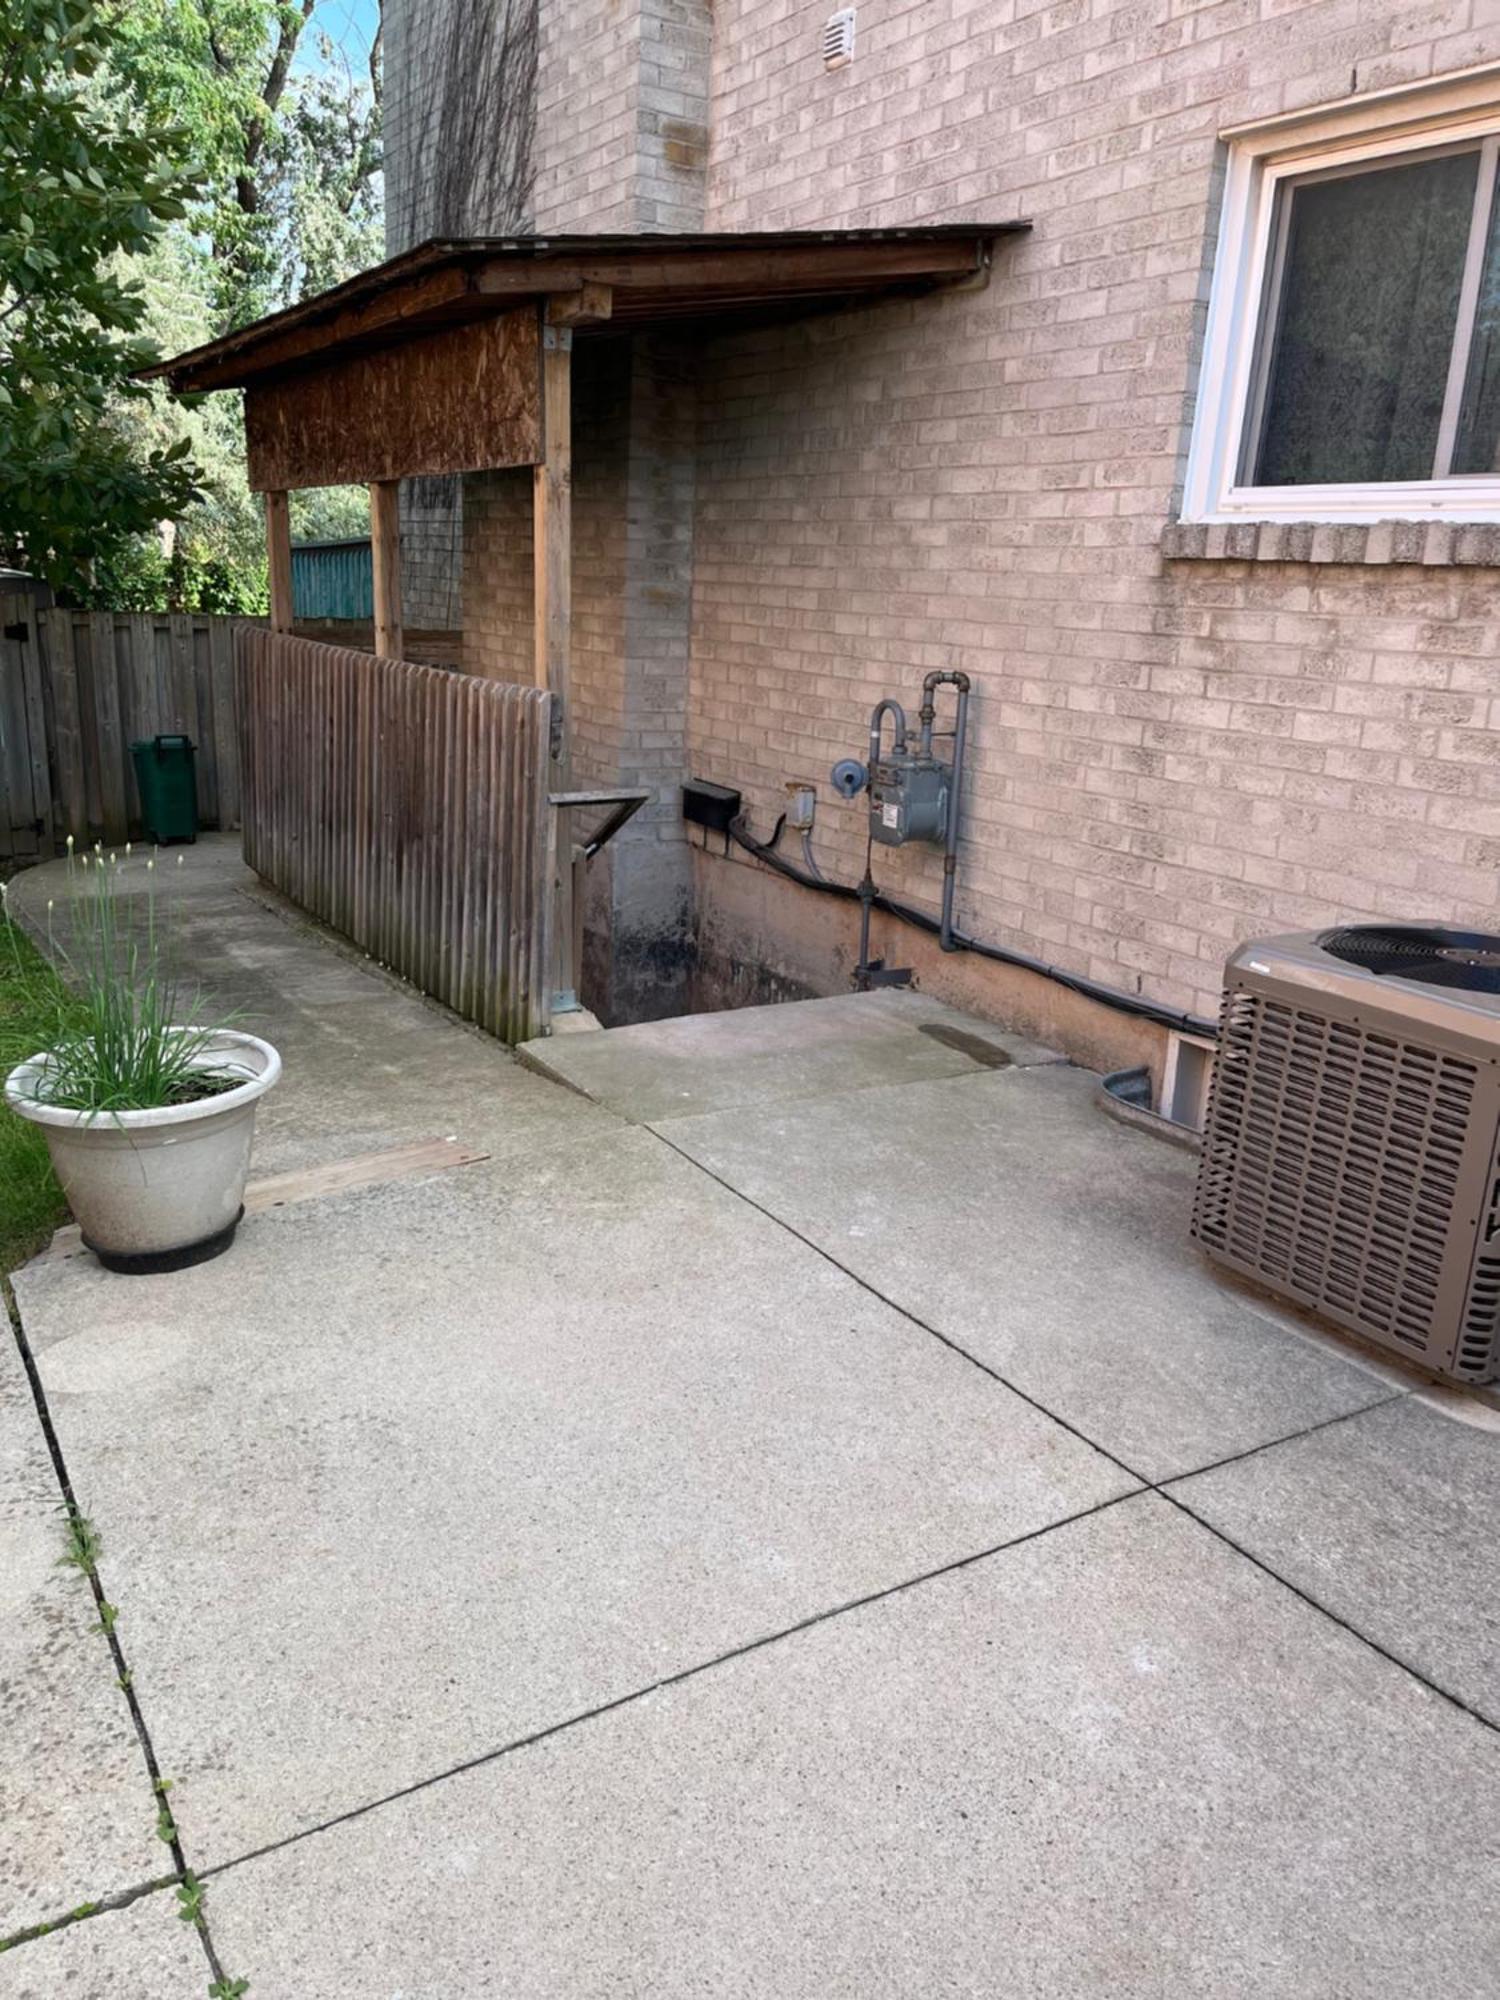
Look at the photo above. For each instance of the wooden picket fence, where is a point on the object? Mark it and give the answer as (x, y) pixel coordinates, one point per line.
(77, 688)
(406, 807)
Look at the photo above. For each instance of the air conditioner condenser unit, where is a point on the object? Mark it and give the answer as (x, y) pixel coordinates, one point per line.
(1350, 1156)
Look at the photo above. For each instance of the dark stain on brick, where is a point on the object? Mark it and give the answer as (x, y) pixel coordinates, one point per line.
(684, 146)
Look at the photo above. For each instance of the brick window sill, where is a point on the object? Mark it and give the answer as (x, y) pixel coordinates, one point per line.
(1431, 544)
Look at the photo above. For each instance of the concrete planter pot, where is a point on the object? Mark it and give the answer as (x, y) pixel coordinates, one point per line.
(156, 1190)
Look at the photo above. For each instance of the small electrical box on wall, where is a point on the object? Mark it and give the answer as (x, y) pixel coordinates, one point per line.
(714, 806)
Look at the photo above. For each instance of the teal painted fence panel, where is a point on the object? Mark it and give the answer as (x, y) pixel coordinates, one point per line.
(332, 580)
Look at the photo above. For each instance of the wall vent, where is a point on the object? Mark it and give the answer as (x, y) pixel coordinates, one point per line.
(838, 39)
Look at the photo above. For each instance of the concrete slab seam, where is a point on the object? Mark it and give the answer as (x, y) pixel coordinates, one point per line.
(184, 1876)
(683, 1674)
(1150, 1486)
(1457, 1701)
(98, 1906)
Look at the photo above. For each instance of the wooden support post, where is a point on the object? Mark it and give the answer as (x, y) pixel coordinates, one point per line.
(385, 556)
(279, 559)
(552, 557)
(552, 533)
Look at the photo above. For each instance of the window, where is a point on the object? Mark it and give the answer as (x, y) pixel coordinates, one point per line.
(1352, 357)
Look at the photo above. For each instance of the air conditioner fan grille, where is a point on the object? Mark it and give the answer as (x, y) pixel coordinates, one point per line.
(1468, 961)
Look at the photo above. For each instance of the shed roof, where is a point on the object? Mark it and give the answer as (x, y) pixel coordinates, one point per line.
(651, 280)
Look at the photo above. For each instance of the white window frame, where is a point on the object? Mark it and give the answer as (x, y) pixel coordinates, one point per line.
(1360, 131)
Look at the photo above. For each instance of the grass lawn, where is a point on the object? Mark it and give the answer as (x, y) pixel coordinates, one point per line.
(31, 1203)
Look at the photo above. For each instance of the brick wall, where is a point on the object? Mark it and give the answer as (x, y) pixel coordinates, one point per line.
(460, 142)
(1168, 754)
(622, 108)
(1173, 745)
(633, 478)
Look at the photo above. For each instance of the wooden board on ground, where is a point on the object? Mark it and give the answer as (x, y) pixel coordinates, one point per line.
(394, 1163)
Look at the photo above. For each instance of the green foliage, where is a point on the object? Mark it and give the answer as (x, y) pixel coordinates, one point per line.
(228, 1989)
(331, 514)
(123, 1040)
(82, 1546)
(113, 248)
(191, 1895)
(290, 148)
(84, 180)
(144, 577)
(31, 1003)
(288, 134)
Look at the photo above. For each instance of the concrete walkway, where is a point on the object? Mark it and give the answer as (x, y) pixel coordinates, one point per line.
(797, 1520)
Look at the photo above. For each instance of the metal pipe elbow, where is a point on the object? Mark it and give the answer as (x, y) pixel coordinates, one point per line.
(878, 715)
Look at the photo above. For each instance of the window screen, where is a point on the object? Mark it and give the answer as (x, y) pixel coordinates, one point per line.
(1361, 334)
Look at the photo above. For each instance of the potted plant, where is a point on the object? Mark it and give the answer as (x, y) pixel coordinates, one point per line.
(148, 1115)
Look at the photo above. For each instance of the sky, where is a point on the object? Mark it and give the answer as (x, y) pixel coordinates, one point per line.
(350, 23)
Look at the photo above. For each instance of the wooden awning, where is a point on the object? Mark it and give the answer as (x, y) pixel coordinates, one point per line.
(432, 362)
(637, 280)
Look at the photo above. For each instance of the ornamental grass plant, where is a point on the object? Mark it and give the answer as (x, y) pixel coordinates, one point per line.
(117, 1029)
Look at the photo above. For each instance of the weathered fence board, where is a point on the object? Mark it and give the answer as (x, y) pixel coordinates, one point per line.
(407, 807)
(25, 782)
(113, 678)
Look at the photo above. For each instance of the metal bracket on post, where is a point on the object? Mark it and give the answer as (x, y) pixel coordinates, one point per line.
(620, 807)
(625, 804)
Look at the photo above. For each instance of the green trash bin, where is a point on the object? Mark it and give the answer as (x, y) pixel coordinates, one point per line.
(168, 785)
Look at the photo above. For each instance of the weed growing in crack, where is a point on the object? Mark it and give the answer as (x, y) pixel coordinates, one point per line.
(166, 1826)
(82, 1546)
(108, 1613)
(190, 1895)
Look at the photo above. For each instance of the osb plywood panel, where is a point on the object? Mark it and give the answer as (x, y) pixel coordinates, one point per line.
(460, 400)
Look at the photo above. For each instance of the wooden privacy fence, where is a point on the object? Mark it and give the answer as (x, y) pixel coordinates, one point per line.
(408, 808)
(25, 772)
(77, 688)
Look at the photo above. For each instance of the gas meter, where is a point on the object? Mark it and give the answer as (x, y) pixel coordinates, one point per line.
(914, 795)
(909, 796)
(911, 790)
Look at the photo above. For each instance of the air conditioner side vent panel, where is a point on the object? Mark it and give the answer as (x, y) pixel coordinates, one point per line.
(1352, 1165)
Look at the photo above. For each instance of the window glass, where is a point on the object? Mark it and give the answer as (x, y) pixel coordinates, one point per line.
(1363, 329)
(1477, 447)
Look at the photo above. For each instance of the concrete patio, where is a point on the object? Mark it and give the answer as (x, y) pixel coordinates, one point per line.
(796, 1520)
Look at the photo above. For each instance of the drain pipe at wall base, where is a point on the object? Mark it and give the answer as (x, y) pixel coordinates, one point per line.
(869, 897)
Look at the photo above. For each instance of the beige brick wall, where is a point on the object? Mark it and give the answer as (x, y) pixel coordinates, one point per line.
(622, 106)
(633, 478)
(1167, 754)
(587, 114)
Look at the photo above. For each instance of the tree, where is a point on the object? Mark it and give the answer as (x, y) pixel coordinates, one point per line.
(84, 181)
(288, 125)
(290, 145)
